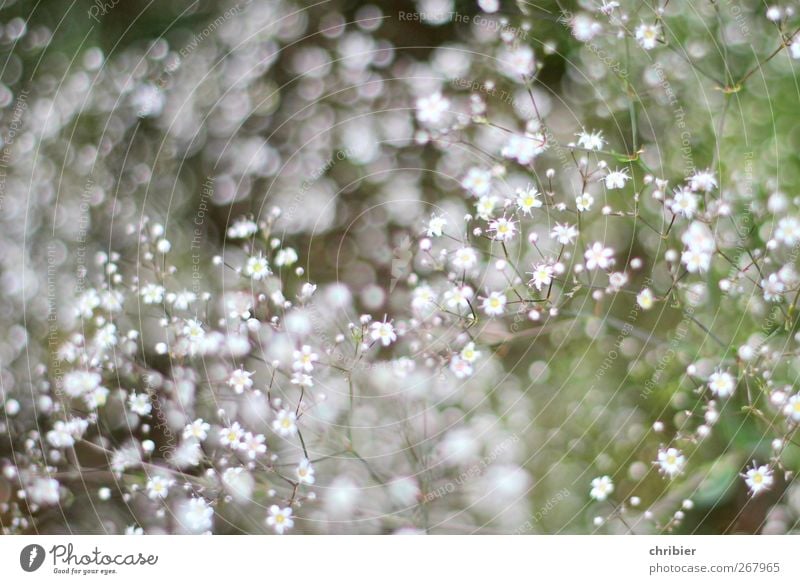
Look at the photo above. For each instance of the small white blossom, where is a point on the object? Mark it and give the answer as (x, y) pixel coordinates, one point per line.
(602, 487)
(671, 461)
(285, 423)
(758, 478)
(280, 518)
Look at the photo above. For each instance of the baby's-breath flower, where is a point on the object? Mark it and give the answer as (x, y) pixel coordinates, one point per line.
(565, 234)
(436, 226)
(671, 461)
(599, 256)
(616, 179)
(152, 294)
(591, 140)
(431, 109)
(721, 384)
(232, 436)
(158, 487)
(542, 275)
(758, 479)
(383, 332)
(494, 304)
(503, 229)
(197, 429)
(584, 202)
(240, 380)
(305, 472)
(647, 35)
(602, 487)
(139, 403)
(464, 258)
(285, 423)
(257, 267)
(527, 200)
(280, 518)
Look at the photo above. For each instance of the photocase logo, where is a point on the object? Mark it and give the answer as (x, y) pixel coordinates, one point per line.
(31, 557)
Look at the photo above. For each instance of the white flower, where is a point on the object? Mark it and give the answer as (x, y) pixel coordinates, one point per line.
(285, 423)
(671, 461)
(240, 380)
(645, 299)
(584, 202)
(702, 181)
(126, 457)
(542, 275)
(44, 491)
(617, 280)
(464, 258)
(461, 368)
(794, 48)
(584, 27)
(197, 429)
(87, 302)
(232, 436)
(523, 149)
(242, 228)
(152, 293)
(383, 332)
(423, 297)
(253, 445)
(774, 13)
(196, 514)
(257, 267)
(792, 408)
(696, 261)
(602, 487)
(494, 304)
(193, 330)
(564, 234)
(106, 336)
(647, 35)
(305, 472)
(773, 288)
(517, 62)
(280, 519)
(188, 454)
(684, 203)
(485, 206)
(286, 256)
(616, 179)
(721, 384)
(458, 297)
(431, 109)
(78, 383)
(788, 231)
(528, 199)
(436, 226)
(181, 300)
(758, 479)
(139, 403)
(158, 487)
(599, 256)
(307, 291)
(469, 354)
(302, 379)
(133, 530)
(503, 229)
(478, 182)
(304, 359)
(591, 140)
